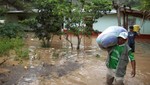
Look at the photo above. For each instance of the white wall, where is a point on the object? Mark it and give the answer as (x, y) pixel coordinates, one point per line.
(111, 20)
(105, 21)
(145, 28)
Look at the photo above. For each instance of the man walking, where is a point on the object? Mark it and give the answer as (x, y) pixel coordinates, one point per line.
(117, 60)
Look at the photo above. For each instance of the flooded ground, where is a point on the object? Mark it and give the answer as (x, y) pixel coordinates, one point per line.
(60, 65)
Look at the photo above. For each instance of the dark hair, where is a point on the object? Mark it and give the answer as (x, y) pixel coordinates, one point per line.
(131, 27)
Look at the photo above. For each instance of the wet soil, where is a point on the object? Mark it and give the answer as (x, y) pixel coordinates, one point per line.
(59, 65)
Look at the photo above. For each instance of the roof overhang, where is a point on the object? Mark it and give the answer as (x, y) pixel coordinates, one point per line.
(136, 13)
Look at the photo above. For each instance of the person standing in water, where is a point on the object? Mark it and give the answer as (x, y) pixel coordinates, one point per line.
(131, 38)
(117, 60)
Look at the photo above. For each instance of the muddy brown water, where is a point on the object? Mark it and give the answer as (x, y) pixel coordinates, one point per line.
(59, 65)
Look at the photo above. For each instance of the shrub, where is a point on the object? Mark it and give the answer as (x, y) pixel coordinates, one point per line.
(21, 53)
(5, 45)
(11, 30)
(16, 44)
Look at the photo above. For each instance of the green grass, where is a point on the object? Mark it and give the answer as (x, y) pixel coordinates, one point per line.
(7, 44)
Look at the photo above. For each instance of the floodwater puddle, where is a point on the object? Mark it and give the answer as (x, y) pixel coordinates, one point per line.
(63, 66)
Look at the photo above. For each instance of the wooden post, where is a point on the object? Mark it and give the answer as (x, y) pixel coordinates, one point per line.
(119, 17)
(127, 21)
(124, 17)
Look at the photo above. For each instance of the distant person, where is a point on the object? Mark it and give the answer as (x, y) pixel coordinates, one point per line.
(117, 60)
(131, 38)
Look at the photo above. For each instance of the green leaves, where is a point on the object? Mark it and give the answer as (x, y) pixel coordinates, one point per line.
(49, 19)
(2, 11)
(145, 5)
(11, 30)
(7, 44)
(52, 14)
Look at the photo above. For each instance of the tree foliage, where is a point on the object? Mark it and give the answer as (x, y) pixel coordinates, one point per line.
(94, 9)
(145, 5)
(49, 19)
(11, 30)
(2, 11)
(82, 15)
(51, 14)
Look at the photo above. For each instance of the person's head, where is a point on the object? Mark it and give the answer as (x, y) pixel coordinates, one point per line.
(122, 38)
(131, 28)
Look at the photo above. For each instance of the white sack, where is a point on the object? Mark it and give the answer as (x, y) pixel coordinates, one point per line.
(109, 36)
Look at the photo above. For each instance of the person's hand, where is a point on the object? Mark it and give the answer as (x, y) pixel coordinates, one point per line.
(133, 73)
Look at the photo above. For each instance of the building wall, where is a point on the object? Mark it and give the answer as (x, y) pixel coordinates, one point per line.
(111, 20)
(145, 28)
(105, 21)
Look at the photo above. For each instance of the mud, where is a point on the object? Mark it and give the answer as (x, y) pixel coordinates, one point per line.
(59, 65)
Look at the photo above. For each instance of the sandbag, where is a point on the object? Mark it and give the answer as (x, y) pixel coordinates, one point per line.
(109, 36)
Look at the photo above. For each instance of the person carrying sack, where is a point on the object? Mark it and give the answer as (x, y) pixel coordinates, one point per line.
(117, 60)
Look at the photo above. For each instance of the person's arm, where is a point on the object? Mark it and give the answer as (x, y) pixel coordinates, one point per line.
(133, 72)
(137, 34)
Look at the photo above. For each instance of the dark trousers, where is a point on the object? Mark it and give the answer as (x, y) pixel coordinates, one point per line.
(132, 46)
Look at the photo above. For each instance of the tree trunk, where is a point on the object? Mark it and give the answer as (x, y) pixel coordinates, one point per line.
(44, 43)
(69, 41)
(48, 44)
(79, 41)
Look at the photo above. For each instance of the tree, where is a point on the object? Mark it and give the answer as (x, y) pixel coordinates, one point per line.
(52, 13)
(93, 10)
(82, 15)
(49, 19)
(74, 24)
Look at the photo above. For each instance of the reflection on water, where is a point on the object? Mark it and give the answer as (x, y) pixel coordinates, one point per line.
(31, 55)
(60, 65)
(87, 42)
